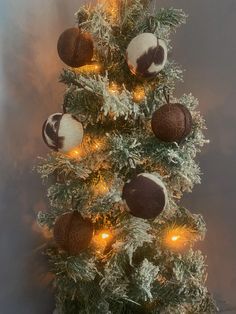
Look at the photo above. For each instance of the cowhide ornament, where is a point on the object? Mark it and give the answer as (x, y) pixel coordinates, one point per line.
(172, 123)
(75, 48)
(146, 55)
(145, 196)
(62, 132)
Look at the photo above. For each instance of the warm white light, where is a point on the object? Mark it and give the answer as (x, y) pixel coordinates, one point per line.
(101, 240)
(105, 236)
(112, 7)
(89, 68)
(101, 188)
(178, 237)
(175, 238)
(76, 152)
(114, 88)
(139, 94)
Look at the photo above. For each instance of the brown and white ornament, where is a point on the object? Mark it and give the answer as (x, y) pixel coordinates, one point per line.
(62, 132)
(146, 55)
(145, 196)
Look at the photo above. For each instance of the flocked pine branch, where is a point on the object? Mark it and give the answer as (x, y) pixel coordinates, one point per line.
(171, 17)
(117, 104)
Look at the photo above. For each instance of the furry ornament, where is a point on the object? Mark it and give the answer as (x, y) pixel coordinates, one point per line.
(73, 233)
(75, 48)
(146, 55)
(145, 195)
(62, 132)
(172, 123)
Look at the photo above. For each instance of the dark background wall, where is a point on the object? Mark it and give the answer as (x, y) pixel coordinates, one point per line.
(29, 69)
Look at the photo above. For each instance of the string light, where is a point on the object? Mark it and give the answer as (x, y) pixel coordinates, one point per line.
(76, 153)
(112, 7)
(101, 240)
(100, 188)
(89, 146)
(139, 94)
(114, 88)
(89, 68)
(161, 170)
(177, 238)
(104, 235)
(97, 145)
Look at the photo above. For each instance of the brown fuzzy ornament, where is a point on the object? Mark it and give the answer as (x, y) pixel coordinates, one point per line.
(75, 48)
(172, 123)
(73, 233)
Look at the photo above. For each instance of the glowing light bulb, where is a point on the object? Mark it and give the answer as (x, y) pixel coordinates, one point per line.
(97, 145)
(139, 94)
(76, 153)
(114, 88)
(175, 238)
(112, 7)
(101, 188)
(102, 240)
(89, 68)
(89, 146)
(105, 235)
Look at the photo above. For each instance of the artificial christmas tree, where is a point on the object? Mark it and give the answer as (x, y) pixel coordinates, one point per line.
(122, 185)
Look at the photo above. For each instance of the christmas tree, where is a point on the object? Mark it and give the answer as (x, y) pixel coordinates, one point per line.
(124, 154)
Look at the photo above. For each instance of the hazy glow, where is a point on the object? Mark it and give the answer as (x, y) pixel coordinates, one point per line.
(101, 187)
(175, 238)
(114, 88)
(101, 240)
(89, 68)
(178, 237)
(139, 94)
(105, 235)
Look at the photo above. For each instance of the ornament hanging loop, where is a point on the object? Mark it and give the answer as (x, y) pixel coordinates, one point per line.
(73, 203)
(166, 93)
(151, 24)
(131, 163)
(134, 169)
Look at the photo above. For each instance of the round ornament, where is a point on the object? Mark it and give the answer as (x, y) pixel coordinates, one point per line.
(172, 123)
(73, 233)
(62, 132)
(146, 55)
(75, 48)
(145, 196)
